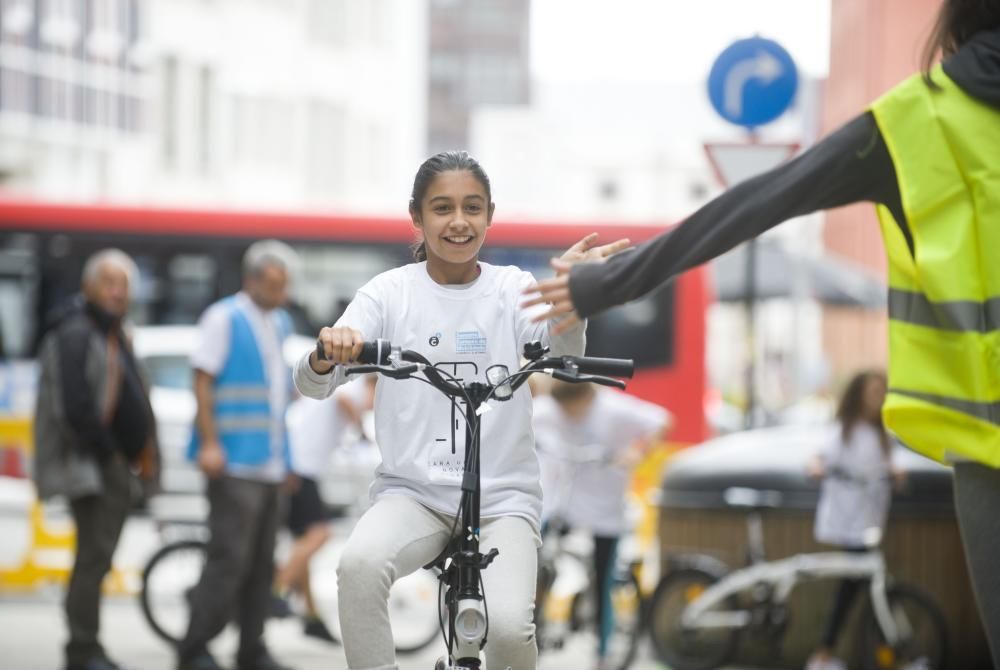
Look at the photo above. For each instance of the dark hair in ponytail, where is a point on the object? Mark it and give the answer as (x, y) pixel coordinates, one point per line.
(957, 21)
(446, 161)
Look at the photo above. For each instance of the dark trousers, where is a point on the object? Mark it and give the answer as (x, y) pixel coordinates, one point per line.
(977, 501)
(236, 581)
(847, 591)
(605, 549)
(99, 520)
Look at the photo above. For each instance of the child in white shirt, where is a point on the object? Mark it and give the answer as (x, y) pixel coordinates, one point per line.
(464, 316)
(611, 431)
(856, 471)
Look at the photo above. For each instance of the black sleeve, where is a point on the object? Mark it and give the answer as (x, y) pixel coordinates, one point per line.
(77, 396)
(850, 165)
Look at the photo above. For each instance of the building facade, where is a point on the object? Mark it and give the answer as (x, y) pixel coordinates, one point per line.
(873, 46)
(75, 92)
(478, 54)
(250, 103)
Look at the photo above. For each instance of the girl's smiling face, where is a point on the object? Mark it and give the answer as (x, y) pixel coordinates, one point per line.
(453, 217)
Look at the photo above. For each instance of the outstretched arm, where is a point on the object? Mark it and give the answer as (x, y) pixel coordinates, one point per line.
(850, 165)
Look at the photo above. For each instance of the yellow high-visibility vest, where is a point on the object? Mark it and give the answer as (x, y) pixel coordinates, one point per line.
(944, 298)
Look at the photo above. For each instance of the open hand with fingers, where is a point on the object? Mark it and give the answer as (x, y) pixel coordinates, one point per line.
(555, 292)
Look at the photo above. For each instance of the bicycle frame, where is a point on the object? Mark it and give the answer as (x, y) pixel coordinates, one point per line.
(461, 568)
(783, 576)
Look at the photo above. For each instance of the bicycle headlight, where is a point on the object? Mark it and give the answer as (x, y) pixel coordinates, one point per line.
(470, 620)
(495, 374)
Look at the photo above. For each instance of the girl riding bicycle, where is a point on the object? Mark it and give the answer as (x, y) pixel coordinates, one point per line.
(466, 315)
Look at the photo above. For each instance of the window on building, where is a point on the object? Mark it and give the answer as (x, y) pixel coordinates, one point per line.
(325, 154)
(328, 22)
(16, 20)
(59, 29)
(168, 112)
(206, 107)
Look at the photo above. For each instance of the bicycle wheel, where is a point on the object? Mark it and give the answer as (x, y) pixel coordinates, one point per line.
(923, 643)
(413, 611)
(167, 581)
(626, 605)
(684, 648)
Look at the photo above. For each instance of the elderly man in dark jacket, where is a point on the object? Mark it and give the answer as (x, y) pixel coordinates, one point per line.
(94, 429)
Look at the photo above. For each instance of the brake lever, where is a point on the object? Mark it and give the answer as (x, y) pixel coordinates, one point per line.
(577, 378)
(602, 380)
(361, 369)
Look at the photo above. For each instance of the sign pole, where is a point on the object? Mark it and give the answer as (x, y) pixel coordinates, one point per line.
(752, 82)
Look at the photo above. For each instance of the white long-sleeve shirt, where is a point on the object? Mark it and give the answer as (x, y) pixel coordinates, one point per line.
(463, 330)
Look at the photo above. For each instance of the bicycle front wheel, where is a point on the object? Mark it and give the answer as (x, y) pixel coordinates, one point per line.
(626, 604)
(923, 640)
(626, 623)
(684, 648)
(413, 611)
(167, 583)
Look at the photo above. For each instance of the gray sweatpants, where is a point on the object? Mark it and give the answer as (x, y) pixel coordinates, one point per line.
(397, 536)
(977, 500)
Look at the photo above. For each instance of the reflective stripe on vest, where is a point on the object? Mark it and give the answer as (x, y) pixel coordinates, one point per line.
(944, 298)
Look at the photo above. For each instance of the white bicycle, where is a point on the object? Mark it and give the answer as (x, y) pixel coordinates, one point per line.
(699, 609)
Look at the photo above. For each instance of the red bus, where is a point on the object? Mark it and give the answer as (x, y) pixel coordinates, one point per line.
(189, 258)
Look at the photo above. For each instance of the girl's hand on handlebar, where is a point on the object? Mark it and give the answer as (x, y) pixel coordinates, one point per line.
(340, 345)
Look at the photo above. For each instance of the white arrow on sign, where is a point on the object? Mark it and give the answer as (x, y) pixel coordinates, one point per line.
(763, 67)
(734, 162)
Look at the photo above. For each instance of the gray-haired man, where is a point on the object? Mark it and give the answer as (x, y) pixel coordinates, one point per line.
(93, 422)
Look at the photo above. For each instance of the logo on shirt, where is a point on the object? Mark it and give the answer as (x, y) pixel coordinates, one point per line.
(435, 340)
(470, 342)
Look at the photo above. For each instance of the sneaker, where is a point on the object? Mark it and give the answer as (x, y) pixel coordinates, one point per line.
(203, 661)
(280, 608)
(314, 627)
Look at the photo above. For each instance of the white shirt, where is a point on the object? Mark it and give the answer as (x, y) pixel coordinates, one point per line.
(421, 437)
(850, 506)
(211, 353)
(581, 480)
(317, 427)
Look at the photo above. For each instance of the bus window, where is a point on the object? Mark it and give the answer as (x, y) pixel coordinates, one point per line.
(190, 287)
(330, 275)
(17, 295)
(642, 330)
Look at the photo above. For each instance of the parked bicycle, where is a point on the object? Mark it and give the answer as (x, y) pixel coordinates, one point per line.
(700, 609)
(565, 602)
(464, 615)
(172, 572)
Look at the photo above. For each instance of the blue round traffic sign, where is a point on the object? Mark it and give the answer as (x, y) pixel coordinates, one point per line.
(752, 82)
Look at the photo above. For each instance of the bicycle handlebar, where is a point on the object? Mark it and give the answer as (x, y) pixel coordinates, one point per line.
(377, 357)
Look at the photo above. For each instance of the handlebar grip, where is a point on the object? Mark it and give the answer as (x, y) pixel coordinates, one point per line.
(375, 353)
(610, 367)
(372, 353)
